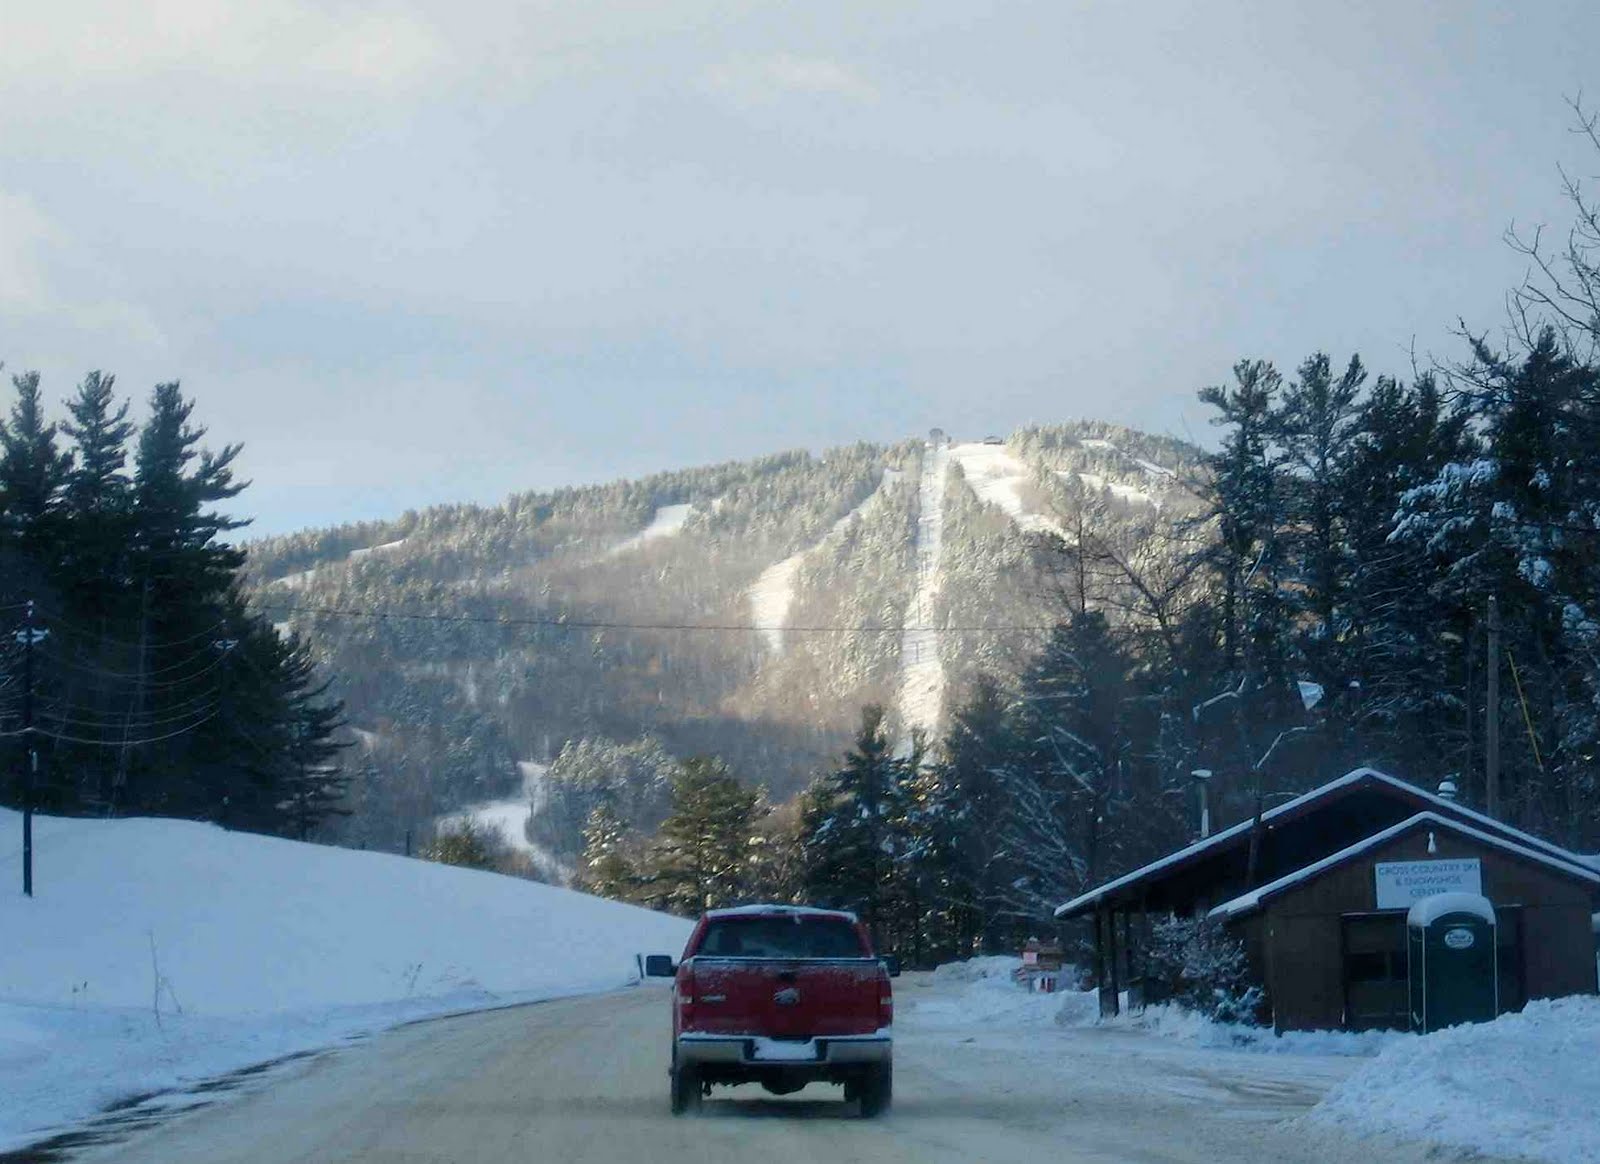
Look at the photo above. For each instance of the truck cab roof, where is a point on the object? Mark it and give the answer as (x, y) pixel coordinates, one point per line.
(776, 909)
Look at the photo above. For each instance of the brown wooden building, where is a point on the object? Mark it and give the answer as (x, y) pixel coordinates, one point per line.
(1318, 893)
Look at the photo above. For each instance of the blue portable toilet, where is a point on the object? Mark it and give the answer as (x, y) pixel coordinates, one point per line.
(1451, 961)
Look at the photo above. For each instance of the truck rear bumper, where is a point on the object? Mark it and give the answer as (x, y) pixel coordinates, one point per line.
(757, 1051)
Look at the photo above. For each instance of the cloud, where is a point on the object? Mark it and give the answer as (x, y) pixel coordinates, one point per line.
(764, 78)
(48, 282)
(84, 44)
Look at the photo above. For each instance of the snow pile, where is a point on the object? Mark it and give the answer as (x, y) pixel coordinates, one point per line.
(1524, 1085)
(983, 992)
(157, 952)
(1170, 1021)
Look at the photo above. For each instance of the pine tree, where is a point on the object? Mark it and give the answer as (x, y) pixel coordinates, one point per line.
(1315, 425)
(978, 746)
(702, 849)
(850, 851)
(33, 472)
(608, 866)
(98, 499)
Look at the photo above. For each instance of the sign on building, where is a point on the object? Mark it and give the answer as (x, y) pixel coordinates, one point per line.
(1401, 884)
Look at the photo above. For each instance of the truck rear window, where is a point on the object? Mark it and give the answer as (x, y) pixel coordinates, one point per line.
(781, 937)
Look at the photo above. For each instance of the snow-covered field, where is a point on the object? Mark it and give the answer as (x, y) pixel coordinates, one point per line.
(1523, 1087)
(157, 953)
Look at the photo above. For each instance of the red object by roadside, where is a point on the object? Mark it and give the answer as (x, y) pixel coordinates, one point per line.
(783, 996)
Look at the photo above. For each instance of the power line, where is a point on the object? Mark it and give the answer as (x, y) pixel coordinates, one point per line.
(110, 743)
(57, 623)
(612, 624)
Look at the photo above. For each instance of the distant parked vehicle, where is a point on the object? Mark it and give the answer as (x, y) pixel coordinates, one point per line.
(783, 996)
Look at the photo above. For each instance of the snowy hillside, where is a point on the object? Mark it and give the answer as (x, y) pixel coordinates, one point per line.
(158, 952)
(746, 610)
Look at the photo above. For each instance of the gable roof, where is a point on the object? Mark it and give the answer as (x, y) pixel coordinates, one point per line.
(1249, 902)
(1239, 834)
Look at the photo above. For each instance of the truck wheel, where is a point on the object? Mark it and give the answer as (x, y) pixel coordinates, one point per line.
(876, 1089)
(685, 1090)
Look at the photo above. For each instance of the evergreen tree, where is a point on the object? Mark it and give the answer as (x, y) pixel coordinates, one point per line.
(609, 865)
(98, 499)
(1315, 425)
(850, 851)
(33, 472)
(978, 747)
(703, 847)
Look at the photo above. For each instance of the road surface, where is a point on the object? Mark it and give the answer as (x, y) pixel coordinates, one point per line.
(585, 1080)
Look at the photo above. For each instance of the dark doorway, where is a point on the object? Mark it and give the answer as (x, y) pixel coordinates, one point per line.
(1375, 981)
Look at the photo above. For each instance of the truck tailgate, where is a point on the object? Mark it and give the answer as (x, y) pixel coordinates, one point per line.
(785, 999)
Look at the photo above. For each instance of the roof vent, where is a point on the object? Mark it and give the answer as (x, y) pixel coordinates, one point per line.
(1447, 788)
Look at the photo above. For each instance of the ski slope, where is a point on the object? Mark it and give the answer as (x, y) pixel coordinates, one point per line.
(996, 475)
(159, 952)
(667, 521)
(772, 593)
(1118, 490)
(922, 678)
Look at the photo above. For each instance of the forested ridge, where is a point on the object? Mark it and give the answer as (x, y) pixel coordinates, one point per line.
(550, 629)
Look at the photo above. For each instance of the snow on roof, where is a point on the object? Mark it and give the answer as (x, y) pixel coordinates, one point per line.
(1355, 776)
(1431, 909)
(776, 909)
(1214, 841)
(1247, 902)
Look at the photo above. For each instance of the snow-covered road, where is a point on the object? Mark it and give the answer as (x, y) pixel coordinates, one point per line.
(586, 1080)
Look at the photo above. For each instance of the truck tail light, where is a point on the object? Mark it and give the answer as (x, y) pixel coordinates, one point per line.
(885, 1000)
(685, 994)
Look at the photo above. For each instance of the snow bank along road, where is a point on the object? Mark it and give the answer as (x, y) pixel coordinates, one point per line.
(585, 1080)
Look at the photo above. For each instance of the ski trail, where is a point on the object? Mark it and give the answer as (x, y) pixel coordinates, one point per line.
(1122, 492)
(773, 592)
(665, 523)
(921, 668)
(996, 476)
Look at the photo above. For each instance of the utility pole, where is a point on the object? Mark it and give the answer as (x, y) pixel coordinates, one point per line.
(1491, 716)
(28, 636)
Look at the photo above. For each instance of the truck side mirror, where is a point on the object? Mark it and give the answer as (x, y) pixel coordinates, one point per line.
(891, 964)
(659, 966)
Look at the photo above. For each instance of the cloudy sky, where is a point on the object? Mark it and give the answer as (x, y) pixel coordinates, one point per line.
(413, 252)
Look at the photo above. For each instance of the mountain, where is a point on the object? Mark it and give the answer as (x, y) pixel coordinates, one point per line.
(745, 609)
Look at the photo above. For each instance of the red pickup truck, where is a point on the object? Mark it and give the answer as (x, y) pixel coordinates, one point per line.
(783, 996)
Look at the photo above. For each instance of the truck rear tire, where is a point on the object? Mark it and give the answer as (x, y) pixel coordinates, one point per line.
(876, 1089)
(685, 1090)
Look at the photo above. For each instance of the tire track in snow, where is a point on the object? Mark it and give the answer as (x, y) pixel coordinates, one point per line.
(922, 676)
